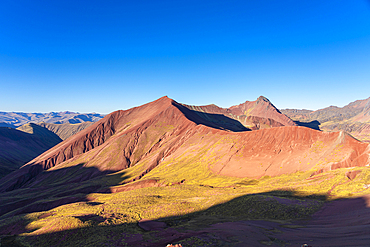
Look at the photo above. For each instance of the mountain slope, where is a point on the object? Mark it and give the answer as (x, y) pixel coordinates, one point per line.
(65, 130)
(18, 146)
(128, 127)
(253, 115)
(353, 118)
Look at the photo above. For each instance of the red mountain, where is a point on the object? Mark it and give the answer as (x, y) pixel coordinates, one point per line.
(258, 114)
(165, 129)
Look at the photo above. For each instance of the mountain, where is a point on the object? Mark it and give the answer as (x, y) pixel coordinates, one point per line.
(18, 146)
(16, 119)
(167, 172)
(65, 130)
(353, 118)
(30, 140)
(258, 114)
(164, 129)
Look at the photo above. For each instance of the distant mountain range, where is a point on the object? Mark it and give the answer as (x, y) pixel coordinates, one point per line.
(16, 119)
(353, 118)
(24, 136)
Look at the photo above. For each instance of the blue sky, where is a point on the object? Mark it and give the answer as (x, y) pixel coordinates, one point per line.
(101, 56)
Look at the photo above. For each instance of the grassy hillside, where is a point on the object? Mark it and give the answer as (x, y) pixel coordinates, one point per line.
(184, 209)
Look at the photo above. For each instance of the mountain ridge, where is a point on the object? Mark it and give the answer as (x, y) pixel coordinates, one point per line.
(158, 129)
(16, 119)
(353, 118)
(163, 173)
(253, 115)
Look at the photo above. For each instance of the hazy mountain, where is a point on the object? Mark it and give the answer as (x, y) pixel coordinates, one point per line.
(353, 118)
(16, 119)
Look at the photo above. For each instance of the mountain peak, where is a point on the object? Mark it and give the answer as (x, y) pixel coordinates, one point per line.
(263, 98)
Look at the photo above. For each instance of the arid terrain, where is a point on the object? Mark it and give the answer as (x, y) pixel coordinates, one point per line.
(171, 173)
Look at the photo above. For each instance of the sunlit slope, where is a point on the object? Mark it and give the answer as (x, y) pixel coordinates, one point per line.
(183, 210)
(116, 142)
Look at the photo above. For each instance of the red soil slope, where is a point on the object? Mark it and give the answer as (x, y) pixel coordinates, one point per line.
(287, 150)
(116, 142)
(162, 130)
(257, 114)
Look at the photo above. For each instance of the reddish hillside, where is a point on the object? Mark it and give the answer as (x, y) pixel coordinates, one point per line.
(127, 136)
(165, 129)
(258, 114)
(286, 150)
(263, 108)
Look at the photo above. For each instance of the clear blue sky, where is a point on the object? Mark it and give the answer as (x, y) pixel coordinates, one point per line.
(101, 56)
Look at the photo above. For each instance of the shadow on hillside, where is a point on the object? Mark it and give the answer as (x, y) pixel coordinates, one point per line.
(47, 189)
(217, 121)
(3, 124)
(313, 124)
(262, 219)
(18, 147)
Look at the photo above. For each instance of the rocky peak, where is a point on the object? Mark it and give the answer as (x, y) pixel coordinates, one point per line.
(262, 99)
